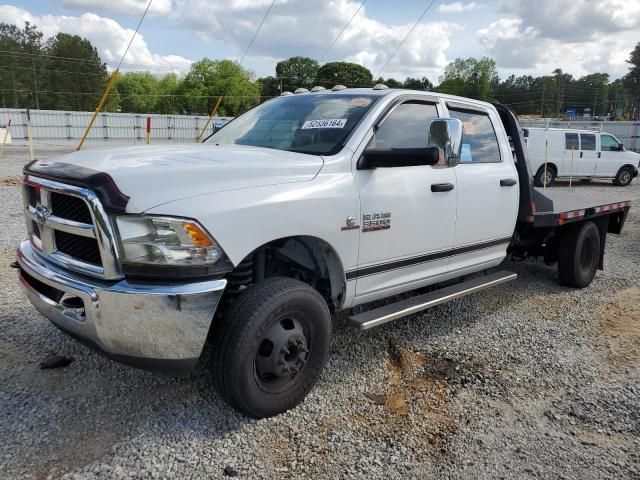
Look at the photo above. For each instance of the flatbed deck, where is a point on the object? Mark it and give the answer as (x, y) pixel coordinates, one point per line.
(555, 207)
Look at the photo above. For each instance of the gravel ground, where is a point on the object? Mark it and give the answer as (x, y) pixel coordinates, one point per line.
(528, 380)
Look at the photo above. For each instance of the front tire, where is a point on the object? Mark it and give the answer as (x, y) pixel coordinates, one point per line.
(543, 177)
(623, 177)
(579, 255)
(272, 346)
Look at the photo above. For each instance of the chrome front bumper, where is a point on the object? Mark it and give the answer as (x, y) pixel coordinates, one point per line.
(157, 327)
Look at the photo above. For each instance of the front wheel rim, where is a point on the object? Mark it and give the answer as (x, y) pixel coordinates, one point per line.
(282, 355)
(624, 177)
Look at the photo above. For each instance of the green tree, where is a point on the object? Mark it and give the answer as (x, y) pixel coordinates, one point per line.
(591, 91)
(73, 74)
(209, 79)
(389, 82)
(632, 81)
(619, 99)
(344, 73)
(167, 101)
(296, 72)
(138, 92)
(269, 87)
(476, 78)
(20, 64)
(418, 84)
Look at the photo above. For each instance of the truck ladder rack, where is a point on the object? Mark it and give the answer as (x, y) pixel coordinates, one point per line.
(378, 316)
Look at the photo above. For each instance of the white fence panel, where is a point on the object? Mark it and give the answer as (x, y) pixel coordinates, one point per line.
(130, 127)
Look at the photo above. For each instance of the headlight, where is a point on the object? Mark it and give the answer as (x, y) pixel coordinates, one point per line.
(151, 246)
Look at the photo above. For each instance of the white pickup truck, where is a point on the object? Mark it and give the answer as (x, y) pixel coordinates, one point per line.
(304, 206)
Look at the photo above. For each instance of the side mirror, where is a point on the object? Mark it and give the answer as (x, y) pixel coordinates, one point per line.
(398, 157)
(446, 135)
(620, 147)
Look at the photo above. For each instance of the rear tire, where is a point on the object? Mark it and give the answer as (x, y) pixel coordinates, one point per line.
(539, 179)
(271, 346)
(623, 177)
(579, 255)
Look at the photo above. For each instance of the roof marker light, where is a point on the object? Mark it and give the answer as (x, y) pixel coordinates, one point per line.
(318, 88)
(286, 93)
(300, 90)
(380, 86)
(338, 87)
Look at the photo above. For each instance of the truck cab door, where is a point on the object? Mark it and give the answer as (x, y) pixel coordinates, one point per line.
(588, 157)
(407, 213)
(488, 192)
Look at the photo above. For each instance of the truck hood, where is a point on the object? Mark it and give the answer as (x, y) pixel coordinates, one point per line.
(153, 175)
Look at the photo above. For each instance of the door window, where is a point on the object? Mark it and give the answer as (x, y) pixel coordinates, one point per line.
(588, 141)
(609, 143)
(407, 126)
(571, 141)
(479, 140)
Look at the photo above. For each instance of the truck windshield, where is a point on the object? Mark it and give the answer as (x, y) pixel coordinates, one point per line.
(305, 123)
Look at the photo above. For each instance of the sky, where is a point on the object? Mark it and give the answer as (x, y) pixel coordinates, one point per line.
(523, 36)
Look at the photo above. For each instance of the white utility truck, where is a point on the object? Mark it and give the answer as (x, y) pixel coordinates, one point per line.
(580, 154)
(304, 206)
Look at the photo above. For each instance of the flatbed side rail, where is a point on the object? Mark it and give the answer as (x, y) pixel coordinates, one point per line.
(552, 219)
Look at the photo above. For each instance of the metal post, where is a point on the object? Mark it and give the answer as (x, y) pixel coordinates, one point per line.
(546, 148)
(35, 83)
(116, 72)
(6, 135)
(30, 136)
(571, 172)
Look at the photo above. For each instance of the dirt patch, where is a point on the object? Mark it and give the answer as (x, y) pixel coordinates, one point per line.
(9, 182)
(620, 329)
(416, 403)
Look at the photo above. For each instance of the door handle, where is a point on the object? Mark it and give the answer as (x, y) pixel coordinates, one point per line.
(581, 154)
(599, 153)
(508, 182)
(441, 187)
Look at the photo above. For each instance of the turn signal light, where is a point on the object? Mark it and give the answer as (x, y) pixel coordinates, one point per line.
(198, 236)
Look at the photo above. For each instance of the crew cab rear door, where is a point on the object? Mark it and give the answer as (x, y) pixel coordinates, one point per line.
(487, 185)
(407, 213)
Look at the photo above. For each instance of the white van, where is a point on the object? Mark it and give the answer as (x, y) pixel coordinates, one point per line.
(581, 154)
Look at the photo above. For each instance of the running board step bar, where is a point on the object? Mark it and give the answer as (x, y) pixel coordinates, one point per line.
(379, 316)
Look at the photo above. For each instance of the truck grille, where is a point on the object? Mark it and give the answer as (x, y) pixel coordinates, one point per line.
(83, 248)
(72, 208)
(68, 226)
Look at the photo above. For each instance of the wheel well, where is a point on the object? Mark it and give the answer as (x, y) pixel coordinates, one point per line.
(627, 166)
(549, 165)
(305, 258)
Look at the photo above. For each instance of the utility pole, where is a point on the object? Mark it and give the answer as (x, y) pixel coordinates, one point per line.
(16, 102)
(544, 86)
(595, 101)
(35, 83)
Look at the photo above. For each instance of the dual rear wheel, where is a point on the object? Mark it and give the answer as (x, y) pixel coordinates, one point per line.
(579, 254)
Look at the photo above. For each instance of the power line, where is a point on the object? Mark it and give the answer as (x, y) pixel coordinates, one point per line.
(256, 33)
(341, 32)
(134, 34)
(405, 37)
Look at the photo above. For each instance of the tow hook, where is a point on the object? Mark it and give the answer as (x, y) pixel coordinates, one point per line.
(15, 264)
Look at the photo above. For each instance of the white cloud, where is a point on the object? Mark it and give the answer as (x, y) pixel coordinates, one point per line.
(296, 27)
(458, 7)
(109, 37)
(579, 37)
(122, 7)
(575, 20)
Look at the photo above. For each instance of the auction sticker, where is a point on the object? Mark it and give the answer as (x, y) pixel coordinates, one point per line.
(328, 123)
